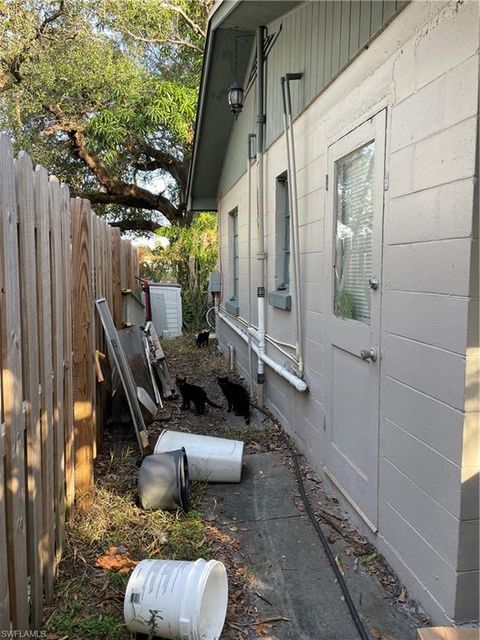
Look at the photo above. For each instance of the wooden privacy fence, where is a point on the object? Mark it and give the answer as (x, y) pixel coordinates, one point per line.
(56, 257)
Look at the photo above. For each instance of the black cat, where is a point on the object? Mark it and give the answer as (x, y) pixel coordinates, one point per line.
(237, 397)
(193, 393)
(201, 339)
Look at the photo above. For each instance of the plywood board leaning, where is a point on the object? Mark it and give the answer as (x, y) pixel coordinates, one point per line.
(119, 359)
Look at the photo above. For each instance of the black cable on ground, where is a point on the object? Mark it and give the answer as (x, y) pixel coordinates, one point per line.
(308, 508)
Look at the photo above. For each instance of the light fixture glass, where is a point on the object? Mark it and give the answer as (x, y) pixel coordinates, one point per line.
(235, 99)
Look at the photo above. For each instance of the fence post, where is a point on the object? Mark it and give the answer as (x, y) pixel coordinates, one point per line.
(55, 207)
(117, 276)
(12, 390)
(31, 379)
(83, 350)
(46, 373)
(67, 350)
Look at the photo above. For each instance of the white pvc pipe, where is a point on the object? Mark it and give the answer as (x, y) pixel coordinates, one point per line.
(249, 242)
(292, 190)
(260, 120)
(298, 383)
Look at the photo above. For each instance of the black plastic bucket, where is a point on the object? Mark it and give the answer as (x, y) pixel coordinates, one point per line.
(163, 481)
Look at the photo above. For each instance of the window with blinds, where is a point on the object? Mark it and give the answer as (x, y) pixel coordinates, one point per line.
(234, 257)
(353, 237)
(282, 232)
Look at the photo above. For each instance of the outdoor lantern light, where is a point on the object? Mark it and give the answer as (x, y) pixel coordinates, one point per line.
(235, 99)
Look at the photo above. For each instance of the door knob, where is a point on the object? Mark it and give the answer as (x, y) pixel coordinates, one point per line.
(370, 355)
(373, 283)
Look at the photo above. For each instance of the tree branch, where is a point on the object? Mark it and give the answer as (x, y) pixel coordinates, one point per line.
(162, 160)
(166, 41)
(193, 25)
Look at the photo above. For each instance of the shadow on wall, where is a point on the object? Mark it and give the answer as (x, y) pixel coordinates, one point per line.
(468, 582)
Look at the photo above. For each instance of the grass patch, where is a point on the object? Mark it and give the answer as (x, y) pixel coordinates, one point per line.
(88, 599)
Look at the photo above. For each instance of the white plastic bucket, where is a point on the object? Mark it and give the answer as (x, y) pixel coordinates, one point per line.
(209, 459)
(177, 599)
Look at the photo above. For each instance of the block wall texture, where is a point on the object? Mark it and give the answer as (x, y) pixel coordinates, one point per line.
(423, 69)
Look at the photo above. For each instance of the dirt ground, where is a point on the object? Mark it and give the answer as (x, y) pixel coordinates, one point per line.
(104, 544)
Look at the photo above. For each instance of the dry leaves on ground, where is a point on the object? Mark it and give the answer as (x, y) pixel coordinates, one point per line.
(116, 559)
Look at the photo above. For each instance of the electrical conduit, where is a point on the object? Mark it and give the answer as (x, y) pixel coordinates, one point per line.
(292, 191)
(259, 121)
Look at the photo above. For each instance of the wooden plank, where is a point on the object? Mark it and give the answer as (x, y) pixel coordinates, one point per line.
(12, 391)
(321, 46)
(376, 16)
(365, 12)
(136, 271)
(93, 222)
(83, 349)
(4, 587)
(123, 264)
(109, 269)
(31, 379)
(345, 33)
(55, 209)
(336, 28)
(100, 397)
(44, 305)
(116, 277)
(354, 28)
(327, 73)
(67, 353)
(389, 7)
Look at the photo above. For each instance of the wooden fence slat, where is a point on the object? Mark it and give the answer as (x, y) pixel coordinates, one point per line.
(93, 219)
(31, 378)
(109, 269)
(12, 390)
(83, 348)
(56, 257)
(67, 352)
(117, 276)
(46, 375)
(55, 207)
(4, 587)
(100, 396)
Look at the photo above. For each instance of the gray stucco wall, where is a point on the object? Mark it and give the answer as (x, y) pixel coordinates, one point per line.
(423, 69)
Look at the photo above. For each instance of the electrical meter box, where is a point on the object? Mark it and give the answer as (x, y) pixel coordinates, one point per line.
(214, 284)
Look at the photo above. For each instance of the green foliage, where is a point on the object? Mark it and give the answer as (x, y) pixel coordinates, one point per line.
(124, 74)
(345, 306)
(188, 260)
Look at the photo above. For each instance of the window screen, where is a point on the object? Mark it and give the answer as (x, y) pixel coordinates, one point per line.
(353, 236)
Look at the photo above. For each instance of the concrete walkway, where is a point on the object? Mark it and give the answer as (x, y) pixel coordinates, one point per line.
(288, 565)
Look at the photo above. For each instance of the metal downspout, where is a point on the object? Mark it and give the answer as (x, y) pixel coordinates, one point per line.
(251, 136)
(292, 191)
(260, 122)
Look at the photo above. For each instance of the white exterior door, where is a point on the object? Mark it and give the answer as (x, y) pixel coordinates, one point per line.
(354, 258)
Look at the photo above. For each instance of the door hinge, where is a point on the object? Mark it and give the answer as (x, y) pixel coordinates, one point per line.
(326, 182)
(386, 182)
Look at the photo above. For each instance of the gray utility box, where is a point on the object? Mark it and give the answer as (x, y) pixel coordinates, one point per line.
(166, 309)
(214, 282)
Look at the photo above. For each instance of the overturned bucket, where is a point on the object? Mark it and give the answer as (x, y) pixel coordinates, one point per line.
(177, 599)
(209, 459)
(163, 481)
